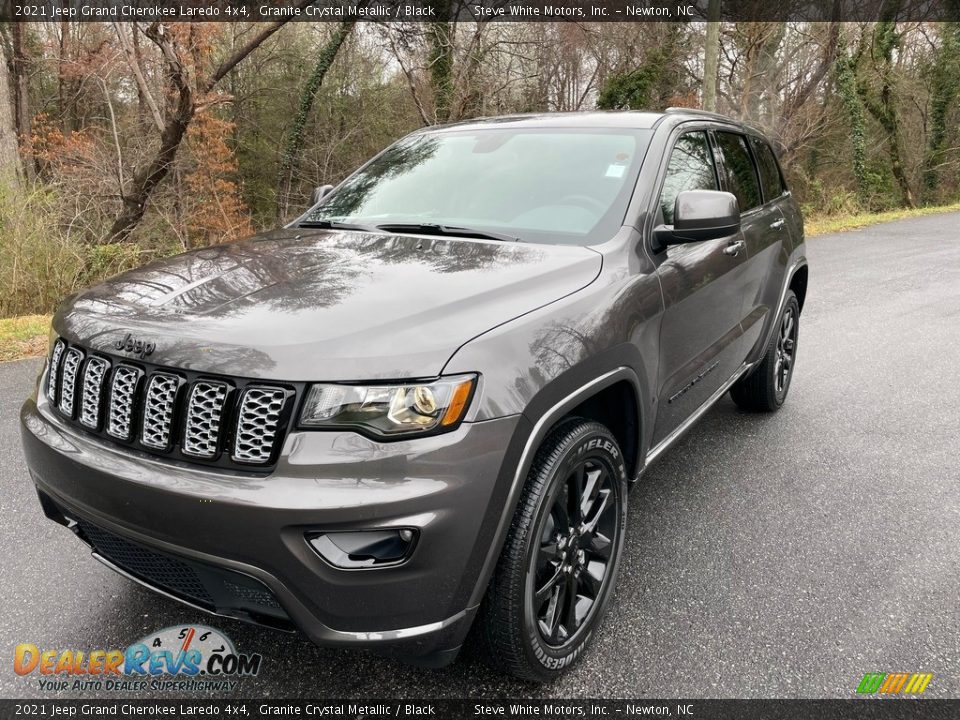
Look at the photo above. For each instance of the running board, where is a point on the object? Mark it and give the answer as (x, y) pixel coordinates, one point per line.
(681, 429)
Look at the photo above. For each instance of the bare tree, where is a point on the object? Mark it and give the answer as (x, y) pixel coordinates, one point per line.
(10, 168)
(180, 111)
(711, 56)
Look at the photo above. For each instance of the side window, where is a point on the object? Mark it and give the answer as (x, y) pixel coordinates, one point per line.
(741, 176)
(769, 170)
(691, 168)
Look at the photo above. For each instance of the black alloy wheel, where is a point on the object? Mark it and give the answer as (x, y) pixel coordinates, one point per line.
(786, 344)
(765, 388)
(573, 561)
(559, 562)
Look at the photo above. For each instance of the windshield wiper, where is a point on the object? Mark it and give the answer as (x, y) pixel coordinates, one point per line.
(336, 225)
(446, 230)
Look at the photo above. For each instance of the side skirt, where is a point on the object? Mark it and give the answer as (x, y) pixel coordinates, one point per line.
(658, 449)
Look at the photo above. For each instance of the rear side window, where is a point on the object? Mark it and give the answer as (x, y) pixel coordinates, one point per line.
(741, 175)
(691, 168)
(769, 171)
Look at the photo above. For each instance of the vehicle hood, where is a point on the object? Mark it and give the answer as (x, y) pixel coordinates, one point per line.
(301, 304)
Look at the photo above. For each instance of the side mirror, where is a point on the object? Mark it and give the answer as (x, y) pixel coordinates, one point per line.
(699, 215)
(319, 193)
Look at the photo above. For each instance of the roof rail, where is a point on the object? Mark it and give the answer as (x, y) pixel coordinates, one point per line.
(697, 111)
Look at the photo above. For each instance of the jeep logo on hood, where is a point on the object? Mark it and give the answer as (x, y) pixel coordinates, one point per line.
(137, 347)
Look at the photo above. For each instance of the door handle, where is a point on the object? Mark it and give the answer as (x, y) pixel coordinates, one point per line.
(734, 248)
(777, 224)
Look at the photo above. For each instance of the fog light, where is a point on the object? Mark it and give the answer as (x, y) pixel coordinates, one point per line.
(364, 548)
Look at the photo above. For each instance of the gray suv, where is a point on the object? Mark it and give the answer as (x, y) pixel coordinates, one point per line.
(418, 409)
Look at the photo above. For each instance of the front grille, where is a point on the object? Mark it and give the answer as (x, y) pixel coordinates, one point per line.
(257, 424)
(53, 372)
(68, 389)
(229, 422)
(93, 379)
(158, 410)
(120, 418)
(203, 418)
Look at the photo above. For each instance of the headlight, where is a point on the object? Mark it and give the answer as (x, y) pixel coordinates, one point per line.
(390, 410)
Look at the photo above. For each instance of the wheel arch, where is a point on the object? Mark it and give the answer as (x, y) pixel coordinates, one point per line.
(616, 407)
(798, 283)
(594, 398)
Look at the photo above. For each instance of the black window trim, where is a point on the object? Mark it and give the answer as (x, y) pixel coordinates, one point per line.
(754, 137)
(675, 133)
(680, 131)
(753, 161)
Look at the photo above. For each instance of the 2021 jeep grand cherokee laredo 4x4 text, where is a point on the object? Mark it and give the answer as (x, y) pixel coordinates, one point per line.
(420, 405)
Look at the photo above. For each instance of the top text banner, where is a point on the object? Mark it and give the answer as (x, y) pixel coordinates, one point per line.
(148, 11)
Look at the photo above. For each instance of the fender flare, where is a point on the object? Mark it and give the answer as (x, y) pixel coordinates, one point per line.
(538, 432)
(764, 341)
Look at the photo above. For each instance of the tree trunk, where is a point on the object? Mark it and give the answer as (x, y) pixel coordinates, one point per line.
(440, 38)
(178, 118)
(21, 90)
(10, 168)
(885, 39)
(847, 88)
(66, 87)
(141, 99)
(294, 147)
(943, 93)
(711, 57)
(759, 93)
(144, 96)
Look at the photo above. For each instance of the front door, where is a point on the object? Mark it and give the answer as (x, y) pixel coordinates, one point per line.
(703, 287)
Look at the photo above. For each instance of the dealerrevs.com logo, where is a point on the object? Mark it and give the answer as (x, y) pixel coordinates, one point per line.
(191, 657)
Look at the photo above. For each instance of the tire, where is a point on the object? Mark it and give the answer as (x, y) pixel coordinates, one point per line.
(765, 389)
(543, 556)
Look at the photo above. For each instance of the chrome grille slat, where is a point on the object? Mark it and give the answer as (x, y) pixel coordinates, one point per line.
(68, 382)
(201, 434)
(53, 371)
(257, 423)
(92, 390)
(158, 408)
(122, 399)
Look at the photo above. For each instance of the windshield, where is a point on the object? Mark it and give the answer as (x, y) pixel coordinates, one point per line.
(561, 186)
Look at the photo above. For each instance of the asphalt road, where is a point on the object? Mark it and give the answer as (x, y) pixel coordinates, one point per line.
(767, 556)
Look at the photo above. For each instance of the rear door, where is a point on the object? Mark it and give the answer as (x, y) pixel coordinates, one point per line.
(703, 286)
(767, 247)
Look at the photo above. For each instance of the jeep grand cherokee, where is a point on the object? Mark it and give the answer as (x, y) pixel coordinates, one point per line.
(419, 407)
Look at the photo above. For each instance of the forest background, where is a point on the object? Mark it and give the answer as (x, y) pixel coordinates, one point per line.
(124, 142)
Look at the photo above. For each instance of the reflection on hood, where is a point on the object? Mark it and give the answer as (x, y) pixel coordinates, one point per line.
(308, 304)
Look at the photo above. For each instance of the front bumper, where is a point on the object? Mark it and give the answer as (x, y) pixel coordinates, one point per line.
(240, 525)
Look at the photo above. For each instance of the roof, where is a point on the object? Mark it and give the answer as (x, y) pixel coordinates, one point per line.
(629, 119)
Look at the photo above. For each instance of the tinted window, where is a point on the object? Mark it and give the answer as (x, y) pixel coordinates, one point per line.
(690, 168)
(545, 185)
(741, 176)
(769, 172)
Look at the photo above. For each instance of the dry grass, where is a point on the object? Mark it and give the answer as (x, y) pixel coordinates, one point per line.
(827, 224)
(24, 336)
